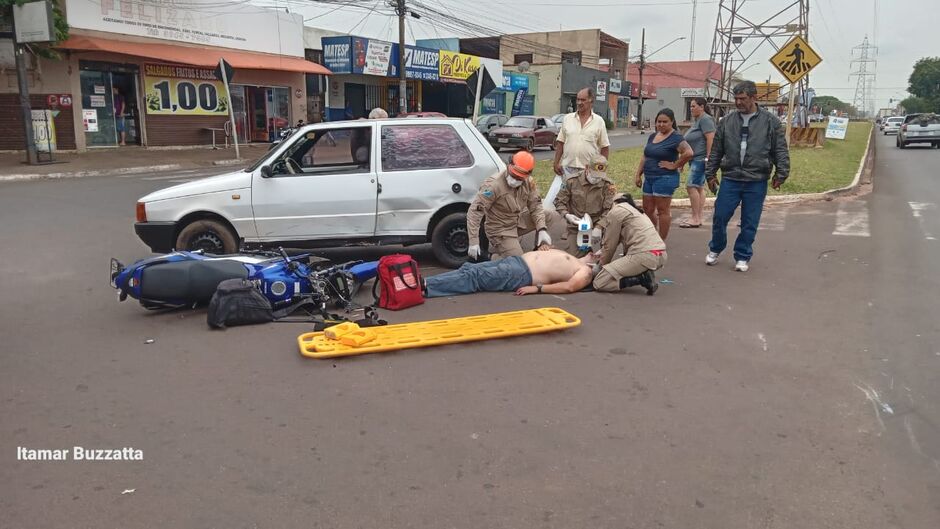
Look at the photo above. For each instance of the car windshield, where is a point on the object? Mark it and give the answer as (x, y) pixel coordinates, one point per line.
(895, 120)
(526, 123)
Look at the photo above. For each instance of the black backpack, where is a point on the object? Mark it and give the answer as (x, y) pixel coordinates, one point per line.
(238, 302)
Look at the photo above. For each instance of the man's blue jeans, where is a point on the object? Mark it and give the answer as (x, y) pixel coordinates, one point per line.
(505, 275)
(750, 195)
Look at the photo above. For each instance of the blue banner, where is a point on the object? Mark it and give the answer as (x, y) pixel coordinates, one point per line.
(515, 81)
(421, 63)
(518, 102)
(337, 54)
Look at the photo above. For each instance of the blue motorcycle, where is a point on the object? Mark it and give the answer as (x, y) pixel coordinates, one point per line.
(181, 279)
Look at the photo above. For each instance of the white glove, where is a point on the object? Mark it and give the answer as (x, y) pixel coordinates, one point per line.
(597, 233)
(544, 238)
(474, 251)
(572, 218)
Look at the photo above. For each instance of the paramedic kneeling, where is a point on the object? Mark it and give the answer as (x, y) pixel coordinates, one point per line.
(539, 272)
(643, 250)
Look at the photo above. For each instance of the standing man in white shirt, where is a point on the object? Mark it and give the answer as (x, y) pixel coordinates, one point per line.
(583, 136)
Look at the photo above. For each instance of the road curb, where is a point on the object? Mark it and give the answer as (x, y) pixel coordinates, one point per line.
(808, 197)
(83, 174)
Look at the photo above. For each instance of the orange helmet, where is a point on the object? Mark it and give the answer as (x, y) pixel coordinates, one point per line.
(521, 165)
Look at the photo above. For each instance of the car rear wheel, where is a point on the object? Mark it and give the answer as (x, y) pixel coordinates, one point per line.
(450, 240)
(208, 235)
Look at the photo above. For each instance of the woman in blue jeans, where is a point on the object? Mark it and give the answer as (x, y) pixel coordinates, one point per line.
(699, 137)
(665, 152)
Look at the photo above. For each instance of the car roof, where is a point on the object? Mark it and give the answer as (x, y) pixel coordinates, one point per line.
(383, 121)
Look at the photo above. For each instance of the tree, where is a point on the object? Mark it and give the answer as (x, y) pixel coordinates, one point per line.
(917, 105)
(61, 26)
(924, 83)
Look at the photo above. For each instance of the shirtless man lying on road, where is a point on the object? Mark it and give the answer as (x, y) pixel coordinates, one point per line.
(538, 272)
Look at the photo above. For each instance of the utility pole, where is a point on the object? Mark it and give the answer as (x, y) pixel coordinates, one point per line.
(19, 51)
(402, 85)
(639, 110)
(692, 36)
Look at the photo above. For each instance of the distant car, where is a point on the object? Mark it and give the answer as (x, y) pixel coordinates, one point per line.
(919, 128)
(816, 118)
(892, 125)
(557, 119)
(488, 122)
(422, 115)
(526, 132)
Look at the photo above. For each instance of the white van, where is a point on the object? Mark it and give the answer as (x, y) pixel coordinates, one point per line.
(390, 181)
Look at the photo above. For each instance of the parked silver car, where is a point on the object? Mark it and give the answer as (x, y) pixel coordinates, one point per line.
(488, 122)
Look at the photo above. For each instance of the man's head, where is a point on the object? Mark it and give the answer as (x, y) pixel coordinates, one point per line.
(520, 167)
(585, 100)
(596, 169)
(745, 96)
(378, 113)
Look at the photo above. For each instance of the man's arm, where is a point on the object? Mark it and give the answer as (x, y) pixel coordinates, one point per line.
(609, 241)
(578, 281)
(535, 208)
(481, 202)
(781, 153)
(609, 193)
(717, 151)
(559, 148)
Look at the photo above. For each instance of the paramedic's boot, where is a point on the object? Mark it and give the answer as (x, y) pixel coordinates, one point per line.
(646, 280)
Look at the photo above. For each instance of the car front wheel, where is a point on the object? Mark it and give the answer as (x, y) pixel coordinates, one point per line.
(450, 240)
(208, 235)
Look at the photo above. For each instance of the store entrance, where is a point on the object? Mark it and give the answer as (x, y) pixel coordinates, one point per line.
(261, 112)
(110, 110)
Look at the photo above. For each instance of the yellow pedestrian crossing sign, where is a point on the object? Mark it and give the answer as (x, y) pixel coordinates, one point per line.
(795, 59)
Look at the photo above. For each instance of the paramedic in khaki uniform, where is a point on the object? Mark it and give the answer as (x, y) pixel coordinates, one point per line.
(502, 200)
(589, 191)
(643, 250)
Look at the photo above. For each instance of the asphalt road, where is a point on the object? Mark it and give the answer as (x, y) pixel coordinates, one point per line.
(801, 394)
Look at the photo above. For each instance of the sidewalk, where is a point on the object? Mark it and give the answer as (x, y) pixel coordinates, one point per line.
(125, 160)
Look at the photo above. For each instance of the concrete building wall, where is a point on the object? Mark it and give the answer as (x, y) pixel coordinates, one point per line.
(546, 48)
(574, 78)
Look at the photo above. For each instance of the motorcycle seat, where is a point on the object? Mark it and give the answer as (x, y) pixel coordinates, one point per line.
(192, 281)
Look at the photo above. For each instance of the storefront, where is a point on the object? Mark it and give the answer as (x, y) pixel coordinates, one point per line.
(366, 76)
(517, 92)
(132, 77)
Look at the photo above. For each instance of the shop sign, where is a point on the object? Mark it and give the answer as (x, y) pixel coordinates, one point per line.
(422, 63)
(55, 101)
(238, 25)
(34, 22)
(691, 92)
(518, 102)
(337, 54)
(601, 91)
(97, 102)
(515, 81)
(99, 88)
(183, 91)
(378, 58)
(43, 130)
(837, 128)
(457, 65)
(90, 120)
(615, 86)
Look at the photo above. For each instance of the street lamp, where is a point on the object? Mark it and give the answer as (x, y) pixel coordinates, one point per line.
(643, 57)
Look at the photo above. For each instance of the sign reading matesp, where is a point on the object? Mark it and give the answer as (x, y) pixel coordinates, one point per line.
(183, 91)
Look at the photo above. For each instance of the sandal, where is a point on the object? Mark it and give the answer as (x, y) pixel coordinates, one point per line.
(687, 224)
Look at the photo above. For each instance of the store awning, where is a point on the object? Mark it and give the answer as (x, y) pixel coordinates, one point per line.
(206, 57)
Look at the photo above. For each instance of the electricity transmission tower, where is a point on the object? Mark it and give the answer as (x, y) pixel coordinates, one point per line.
(740, 39)
(865, 64)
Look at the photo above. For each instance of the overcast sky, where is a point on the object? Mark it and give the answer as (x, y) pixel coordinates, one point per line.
(906, 31)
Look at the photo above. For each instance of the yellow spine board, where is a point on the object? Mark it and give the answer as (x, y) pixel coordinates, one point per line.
(442, 332)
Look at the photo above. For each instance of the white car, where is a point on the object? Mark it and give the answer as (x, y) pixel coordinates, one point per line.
(892, 125)
(333, 184)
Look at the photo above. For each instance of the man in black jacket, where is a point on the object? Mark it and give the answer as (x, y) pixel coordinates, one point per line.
(748, 144)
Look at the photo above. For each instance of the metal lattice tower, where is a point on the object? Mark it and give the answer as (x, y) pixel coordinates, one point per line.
(864, 100)
(739, 38)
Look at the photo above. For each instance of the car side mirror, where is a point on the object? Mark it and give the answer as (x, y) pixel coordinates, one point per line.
(266, 171)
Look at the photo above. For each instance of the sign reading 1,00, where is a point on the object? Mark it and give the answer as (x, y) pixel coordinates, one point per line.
(180, 96)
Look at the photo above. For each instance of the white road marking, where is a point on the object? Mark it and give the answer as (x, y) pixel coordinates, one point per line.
(917, 209)
(773, 220)
(763, 341)
(852, 223)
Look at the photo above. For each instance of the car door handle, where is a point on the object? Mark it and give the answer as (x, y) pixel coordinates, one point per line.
(379, 188)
